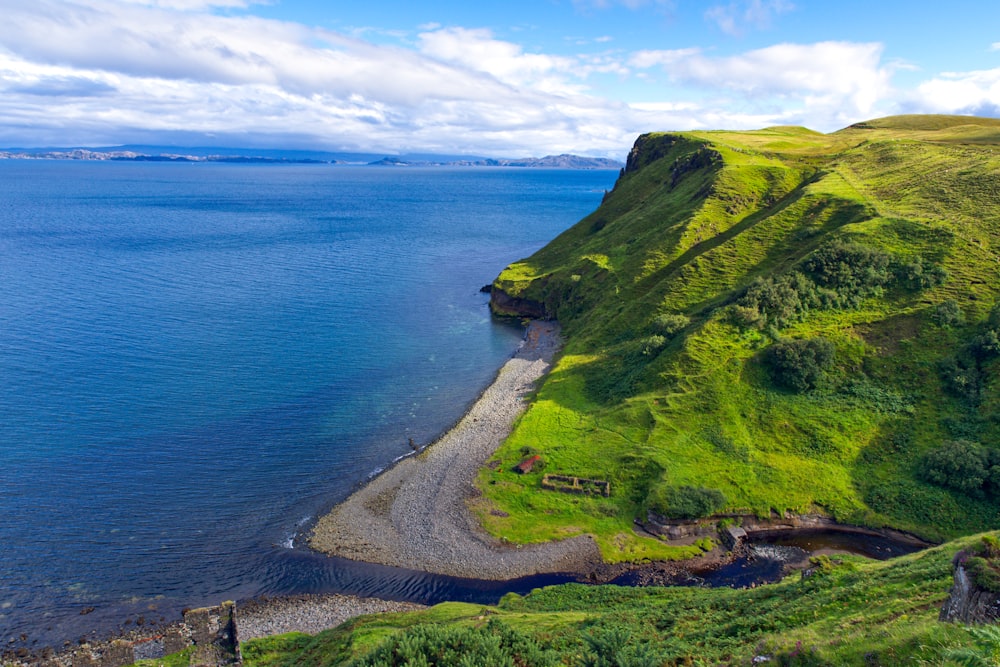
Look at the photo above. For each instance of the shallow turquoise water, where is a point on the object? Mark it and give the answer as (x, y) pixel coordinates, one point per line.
(197, 358)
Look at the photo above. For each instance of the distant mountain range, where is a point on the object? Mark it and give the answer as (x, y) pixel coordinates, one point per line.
(277, 156)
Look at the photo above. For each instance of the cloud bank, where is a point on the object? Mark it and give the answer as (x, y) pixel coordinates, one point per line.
(92, 72)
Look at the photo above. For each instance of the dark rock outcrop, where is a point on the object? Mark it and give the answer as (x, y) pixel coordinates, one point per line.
(209, 632)
(968, 603)
(505, 305)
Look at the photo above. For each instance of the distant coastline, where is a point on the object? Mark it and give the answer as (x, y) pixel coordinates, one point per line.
(272, 156)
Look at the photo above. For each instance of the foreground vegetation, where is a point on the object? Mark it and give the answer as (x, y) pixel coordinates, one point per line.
(848, 612)
(791, 321)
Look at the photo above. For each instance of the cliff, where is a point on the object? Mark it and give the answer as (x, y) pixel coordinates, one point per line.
(792, 321)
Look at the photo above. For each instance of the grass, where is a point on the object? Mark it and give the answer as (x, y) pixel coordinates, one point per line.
(848, 612)
(692, 222)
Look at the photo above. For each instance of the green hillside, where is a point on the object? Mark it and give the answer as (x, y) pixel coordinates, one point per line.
(801, 322)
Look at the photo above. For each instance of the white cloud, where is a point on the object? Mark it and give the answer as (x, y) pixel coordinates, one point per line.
(736, 17)
(628, 4)
(196, 5)
(477, 50)
(831, 80)
(82, 72)
(665, 58)
(960, 92)
(102, 71)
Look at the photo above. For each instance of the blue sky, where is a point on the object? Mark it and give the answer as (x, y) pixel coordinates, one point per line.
(506, 79)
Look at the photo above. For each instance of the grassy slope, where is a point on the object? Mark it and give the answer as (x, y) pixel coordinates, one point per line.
(853, 613)
(693, 221)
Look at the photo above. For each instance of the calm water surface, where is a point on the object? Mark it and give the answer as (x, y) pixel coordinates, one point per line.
(197, 359)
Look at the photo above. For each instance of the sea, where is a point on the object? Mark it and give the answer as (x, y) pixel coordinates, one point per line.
(197, 359)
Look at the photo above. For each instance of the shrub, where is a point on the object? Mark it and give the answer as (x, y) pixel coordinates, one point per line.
(981, 562)
(612, 646)
(685, 502)
(916, 274)
(836, 275)
(851, 269)
(495, 645)
(948, 314)
(652, 345)
(985, 346)
(961, 378)
(957, 464)
(776, 301)
(800, 365)
(669, 324)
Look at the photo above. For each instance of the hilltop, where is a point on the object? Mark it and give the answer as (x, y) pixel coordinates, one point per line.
(769, 323)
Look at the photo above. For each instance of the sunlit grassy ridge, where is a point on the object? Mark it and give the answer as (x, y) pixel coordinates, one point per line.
(695, 219)
(849, 612)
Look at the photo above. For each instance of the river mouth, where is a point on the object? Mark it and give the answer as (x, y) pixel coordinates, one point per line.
(768, 556)
(771, 554)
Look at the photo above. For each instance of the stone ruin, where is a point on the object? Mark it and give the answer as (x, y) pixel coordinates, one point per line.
(210, 632)
(577, 485)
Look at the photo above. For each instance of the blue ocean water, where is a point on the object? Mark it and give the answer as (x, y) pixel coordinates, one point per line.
(196, 359)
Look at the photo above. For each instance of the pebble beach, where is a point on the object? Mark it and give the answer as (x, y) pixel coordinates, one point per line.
(415, 514)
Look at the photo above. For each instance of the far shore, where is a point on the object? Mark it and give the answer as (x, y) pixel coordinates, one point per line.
(415, 514)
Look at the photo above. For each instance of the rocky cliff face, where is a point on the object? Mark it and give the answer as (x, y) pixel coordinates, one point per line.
(505, 305)
(967, 603)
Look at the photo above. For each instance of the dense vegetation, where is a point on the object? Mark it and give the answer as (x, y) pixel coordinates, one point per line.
(848, 611)
(800, 322)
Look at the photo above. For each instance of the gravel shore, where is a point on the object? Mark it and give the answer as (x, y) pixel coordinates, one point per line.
(414, 515)
(310, 614)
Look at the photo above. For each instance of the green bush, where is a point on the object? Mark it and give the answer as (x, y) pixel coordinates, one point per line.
(669, 324)
(836, 275)
(495, 645)
(652, 345)
(776, 301)
(917, 274)
(948, 314)
(985, 346)
(962, 378)
(981, 562)
(957, 464)
(800, 365)
(852, 270)
(612, 646)
(684, 502)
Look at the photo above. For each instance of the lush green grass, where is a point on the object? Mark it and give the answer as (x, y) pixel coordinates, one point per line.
(849, 612)
(694, 220)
